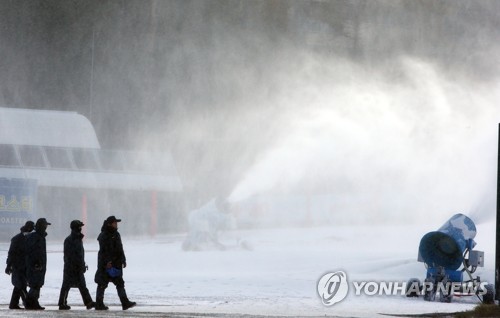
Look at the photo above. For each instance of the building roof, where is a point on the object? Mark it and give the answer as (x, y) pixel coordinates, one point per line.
(60, 149)
(46, 128)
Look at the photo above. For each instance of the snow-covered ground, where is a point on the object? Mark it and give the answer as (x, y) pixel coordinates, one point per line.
(277, 277)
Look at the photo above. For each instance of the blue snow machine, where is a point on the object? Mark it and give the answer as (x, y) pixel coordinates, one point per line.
(448, 256)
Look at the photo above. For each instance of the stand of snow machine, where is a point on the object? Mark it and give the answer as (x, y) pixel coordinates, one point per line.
(449, 256)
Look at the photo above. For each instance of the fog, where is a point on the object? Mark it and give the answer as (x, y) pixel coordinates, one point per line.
(337, 132)
(368, 112)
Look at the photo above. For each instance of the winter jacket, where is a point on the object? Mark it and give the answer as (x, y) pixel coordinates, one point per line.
(74, 259)
(36, 258)
(110, 250)
(16, 260)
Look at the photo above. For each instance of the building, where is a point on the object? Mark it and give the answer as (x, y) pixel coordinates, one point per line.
(76, 179)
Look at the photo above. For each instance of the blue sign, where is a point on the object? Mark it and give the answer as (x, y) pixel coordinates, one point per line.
(17, 203)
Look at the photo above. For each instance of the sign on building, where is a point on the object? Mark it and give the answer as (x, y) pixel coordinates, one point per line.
(17, 204)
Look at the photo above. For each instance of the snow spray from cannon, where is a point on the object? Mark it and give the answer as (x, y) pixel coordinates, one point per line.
(445, 247)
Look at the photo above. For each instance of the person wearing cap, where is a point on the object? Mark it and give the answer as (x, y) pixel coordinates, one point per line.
(36, 263)
(110, 263)
(74, 267)
(16, 265)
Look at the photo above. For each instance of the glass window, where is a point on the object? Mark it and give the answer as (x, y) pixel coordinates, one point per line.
(85, 159)
(112, 160)
(32, 156)
(8, 156)
(58, 158)
(132, 162)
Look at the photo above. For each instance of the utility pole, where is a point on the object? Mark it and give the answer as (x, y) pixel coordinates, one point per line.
(497, 243)
(91, 101)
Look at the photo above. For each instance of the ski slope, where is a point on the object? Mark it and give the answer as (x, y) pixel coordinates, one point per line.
(278, 276)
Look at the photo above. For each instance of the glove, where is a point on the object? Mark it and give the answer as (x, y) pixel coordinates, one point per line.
(8, 270)
(81, 269)
(124, 264)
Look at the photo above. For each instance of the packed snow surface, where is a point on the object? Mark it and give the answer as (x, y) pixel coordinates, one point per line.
(276, 274)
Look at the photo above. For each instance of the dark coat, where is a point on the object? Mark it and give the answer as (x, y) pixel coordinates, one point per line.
(74, 260)
(16, 260)
(36, 258)
(110, 250)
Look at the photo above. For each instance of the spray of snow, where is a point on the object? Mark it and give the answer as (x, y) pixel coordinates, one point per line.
(421, 144)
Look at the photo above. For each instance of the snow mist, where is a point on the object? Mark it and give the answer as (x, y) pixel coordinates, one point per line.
(401, 144)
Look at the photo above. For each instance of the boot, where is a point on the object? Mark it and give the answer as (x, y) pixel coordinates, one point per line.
(87, 299)
(28, 303)
(99, 299)
(14, 300)
(126, 303)
(33, 305)
(32, 300)
(63, 299)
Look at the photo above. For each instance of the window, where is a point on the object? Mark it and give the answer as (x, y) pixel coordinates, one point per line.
(58, 158)
(132, 162)
(32, 156)
(8, 156)
(85, 159)
(112, 160)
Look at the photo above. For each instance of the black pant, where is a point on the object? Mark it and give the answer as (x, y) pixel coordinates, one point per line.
(33, 296)
(20, 285)
(18, 293)
(84, 291)
(74, 280)
(120, 289)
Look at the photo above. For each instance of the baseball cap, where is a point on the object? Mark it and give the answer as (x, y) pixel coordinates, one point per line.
(42, 221)
(112, 219)
(76, 224)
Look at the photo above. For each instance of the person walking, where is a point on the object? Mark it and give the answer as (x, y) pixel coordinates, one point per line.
(110, 263)
(74, 267)
(16, 265)
(36, 263)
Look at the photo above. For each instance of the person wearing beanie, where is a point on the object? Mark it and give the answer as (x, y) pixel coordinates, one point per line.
(74, 267)
(16, 265)
(110, 263)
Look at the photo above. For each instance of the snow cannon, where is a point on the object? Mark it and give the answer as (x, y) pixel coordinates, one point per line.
(446, 246)
(448, 254)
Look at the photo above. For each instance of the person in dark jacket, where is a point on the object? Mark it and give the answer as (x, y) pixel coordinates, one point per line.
(16, 265)
(74, 267)
(36, 263)
(110, 262)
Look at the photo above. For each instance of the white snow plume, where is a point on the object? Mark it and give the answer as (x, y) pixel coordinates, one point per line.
(484, 211)
(405, 142)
